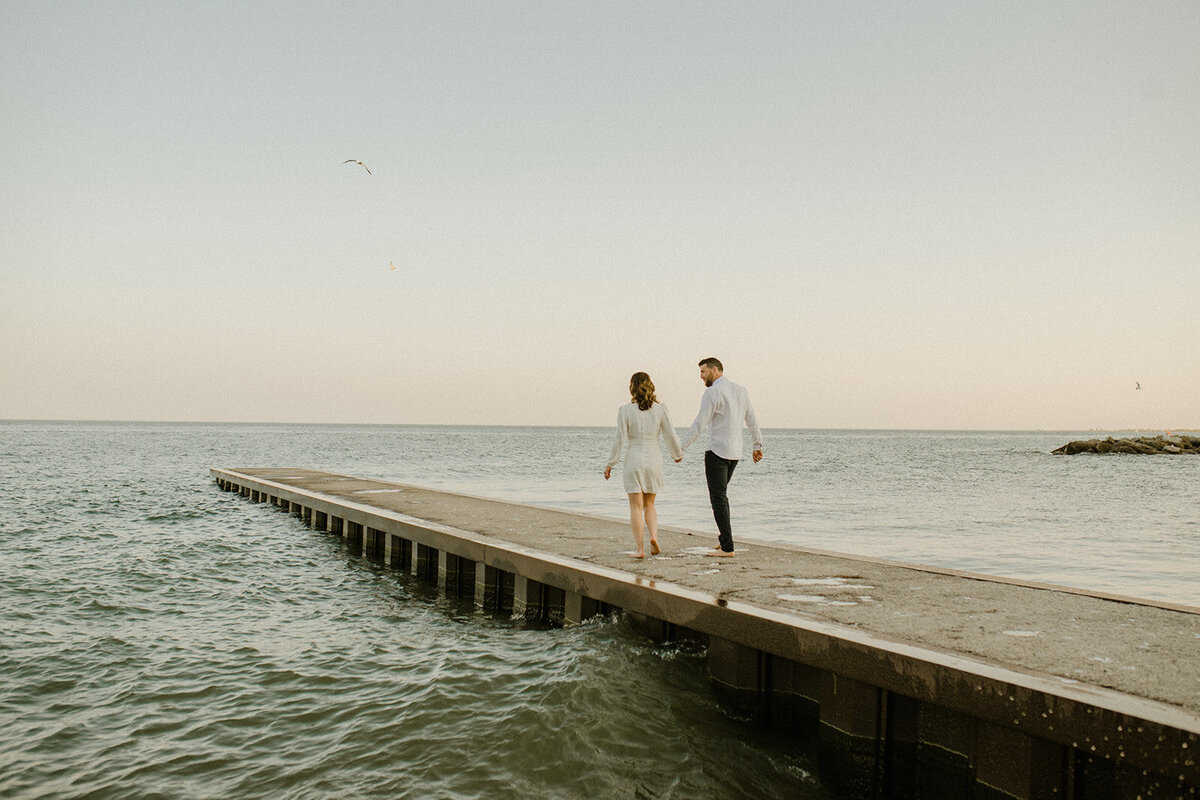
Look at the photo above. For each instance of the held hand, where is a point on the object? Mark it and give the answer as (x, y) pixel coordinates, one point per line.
(757, 456)
(607, 472)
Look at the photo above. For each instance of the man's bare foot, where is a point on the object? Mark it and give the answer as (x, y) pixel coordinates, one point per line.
(638, 555)
(654, 548)
(719, 553)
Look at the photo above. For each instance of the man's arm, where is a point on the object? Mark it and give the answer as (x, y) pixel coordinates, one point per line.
(755, 431)
(707, 407)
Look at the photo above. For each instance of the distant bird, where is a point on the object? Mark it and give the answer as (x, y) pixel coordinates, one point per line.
(1139, 385)
(356, 161)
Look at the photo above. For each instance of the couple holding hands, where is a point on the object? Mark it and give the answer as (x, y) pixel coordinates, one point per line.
(640, 425)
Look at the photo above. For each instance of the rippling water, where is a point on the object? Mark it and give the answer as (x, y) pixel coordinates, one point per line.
(164, 639)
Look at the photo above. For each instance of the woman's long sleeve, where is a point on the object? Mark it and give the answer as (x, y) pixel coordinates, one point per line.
(619, 442)
(669, 435)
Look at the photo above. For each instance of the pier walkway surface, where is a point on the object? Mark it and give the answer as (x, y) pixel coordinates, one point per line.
(1103, 691)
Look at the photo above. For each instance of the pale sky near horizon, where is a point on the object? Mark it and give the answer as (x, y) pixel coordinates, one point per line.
(906, 215)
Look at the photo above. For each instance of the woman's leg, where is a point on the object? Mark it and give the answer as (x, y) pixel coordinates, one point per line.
(635, 521)
(651, 514)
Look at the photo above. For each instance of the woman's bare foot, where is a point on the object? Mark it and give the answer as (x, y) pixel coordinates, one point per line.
(638, 555)
(654, 548)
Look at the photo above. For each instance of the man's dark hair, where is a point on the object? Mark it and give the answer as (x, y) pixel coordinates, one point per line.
(711, 362)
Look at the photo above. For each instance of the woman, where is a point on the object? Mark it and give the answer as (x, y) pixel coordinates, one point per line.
(640, 424)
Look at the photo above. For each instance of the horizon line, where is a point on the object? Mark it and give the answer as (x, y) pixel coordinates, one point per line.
(1189, 429)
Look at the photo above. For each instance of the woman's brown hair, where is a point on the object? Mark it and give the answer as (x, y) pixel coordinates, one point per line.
(641, 389)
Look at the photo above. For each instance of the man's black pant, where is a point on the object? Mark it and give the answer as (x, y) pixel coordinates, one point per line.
(718, 471)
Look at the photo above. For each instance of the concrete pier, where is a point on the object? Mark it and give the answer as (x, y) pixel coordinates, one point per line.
(912, 681)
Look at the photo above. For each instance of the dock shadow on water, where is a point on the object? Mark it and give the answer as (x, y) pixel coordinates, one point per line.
(530, 709)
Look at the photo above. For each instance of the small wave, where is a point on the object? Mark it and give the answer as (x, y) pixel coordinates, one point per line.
(180, 515)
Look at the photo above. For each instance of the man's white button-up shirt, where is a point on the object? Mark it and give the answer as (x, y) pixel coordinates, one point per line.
(726, 406)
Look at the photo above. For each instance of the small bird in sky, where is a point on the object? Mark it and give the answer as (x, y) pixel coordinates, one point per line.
(1139, 385)
(356, 161)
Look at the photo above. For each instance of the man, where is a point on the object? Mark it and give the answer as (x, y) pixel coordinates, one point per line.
(726, 406)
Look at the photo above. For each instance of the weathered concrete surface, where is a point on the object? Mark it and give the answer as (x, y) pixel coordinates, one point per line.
(1132, 646)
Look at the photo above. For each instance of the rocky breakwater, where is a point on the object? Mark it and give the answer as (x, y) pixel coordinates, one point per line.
(1148, 445)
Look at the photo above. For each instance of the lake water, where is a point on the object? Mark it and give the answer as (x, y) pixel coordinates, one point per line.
(165, 639)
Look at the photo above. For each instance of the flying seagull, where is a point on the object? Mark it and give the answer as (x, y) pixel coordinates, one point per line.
(356, 161)
(1139, 385)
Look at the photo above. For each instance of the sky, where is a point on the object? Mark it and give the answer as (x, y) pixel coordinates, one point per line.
(936, 215)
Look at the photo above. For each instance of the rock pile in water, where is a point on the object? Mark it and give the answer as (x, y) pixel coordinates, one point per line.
(1149, 445)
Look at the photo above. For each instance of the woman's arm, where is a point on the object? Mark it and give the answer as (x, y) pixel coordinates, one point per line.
(618, 443)
(668, 434)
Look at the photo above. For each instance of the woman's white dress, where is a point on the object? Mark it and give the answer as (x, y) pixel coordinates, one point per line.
(640, 430)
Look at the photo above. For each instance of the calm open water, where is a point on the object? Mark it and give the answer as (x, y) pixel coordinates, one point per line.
(164, 639)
